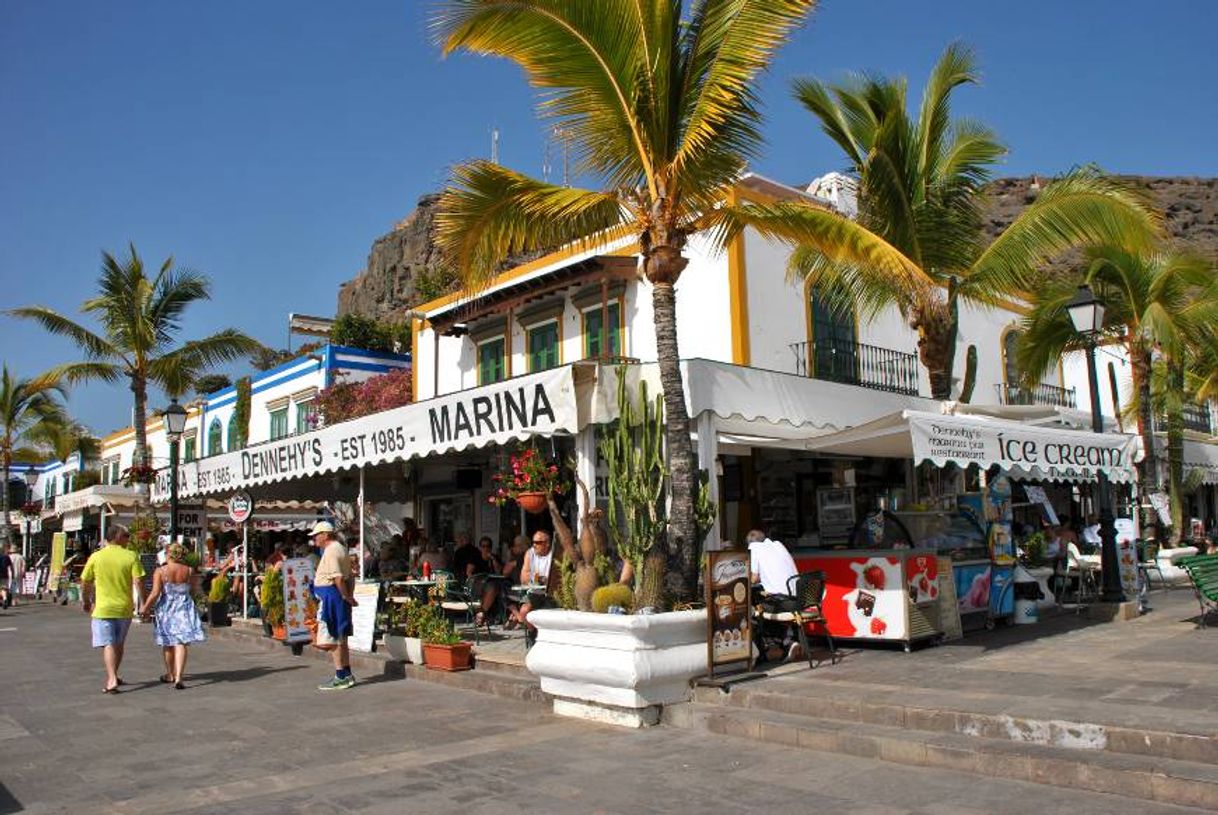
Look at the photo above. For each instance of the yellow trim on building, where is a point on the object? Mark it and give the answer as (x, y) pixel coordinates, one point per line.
(738, 295)
(416, 325)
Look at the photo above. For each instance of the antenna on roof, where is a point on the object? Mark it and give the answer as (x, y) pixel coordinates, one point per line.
(494, 145)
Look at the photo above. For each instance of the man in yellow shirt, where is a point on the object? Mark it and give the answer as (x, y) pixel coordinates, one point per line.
(111, 575)
(332, 586)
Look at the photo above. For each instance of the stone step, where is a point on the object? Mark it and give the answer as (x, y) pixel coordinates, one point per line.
(483, 680)
(846, 705)
(503, 664)
(1162, 780)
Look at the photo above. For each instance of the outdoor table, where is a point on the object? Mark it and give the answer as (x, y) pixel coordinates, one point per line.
(419, 588)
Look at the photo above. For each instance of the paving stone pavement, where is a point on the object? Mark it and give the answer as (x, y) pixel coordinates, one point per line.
(1156, 671)
(251, 734)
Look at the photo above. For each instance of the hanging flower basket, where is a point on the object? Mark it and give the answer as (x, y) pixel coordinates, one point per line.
(528, 481)
(533, 503)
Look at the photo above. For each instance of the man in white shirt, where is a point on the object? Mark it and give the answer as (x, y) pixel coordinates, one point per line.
(773, 566)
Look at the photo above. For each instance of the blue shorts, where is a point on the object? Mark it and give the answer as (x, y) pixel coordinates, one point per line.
(333, 616)
(109, 631)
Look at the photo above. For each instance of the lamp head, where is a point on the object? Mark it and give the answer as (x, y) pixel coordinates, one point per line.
(1086, 312)
(174, 417)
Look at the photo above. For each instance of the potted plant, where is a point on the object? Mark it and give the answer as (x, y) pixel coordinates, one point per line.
(402, 630)
(529, 481)
(621, 667)
(272, 603)
(443, 648)
(217, 601)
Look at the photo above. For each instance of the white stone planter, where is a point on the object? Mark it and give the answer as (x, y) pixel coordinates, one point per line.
(625, 661)
(1167, 564)
(407, 649)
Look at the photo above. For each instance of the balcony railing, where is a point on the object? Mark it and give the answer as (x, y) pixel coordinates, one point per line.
(1039, 395)
(856, 363)
(1196, 417)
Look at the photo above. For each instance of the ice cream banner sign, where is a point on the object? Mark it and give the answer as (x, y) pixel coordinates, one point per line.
(1035, 451)
(523, 407)
(729, 625)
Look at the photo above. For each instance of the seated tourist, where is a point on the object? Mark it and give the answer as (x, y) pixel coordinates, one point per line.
(467, 561)
(537, 571)
(773, 566)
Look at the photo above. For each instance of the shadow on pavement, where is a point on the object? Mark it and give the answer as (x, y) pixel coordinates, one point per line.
(8, 803)
(242, 675)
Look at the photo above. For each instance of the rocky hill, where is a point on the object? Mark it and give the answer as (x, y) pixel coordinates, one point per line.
(1189, 204)
(398, 262)
(402, 268)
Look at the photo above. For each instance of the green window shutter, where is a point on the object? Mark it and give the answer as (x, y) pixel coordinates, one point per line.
(490, 362)
(543, 347)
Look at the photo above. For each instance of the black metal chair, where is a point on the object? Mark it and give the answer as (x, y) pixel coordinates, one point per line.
(799, 607)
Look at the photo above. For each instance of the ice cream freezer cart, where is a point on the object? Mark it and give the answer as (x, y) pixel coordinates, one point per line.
(882, 595)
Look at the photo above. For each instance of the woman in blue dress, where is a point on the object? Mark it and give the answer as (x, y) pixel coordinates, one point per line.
(177, 619)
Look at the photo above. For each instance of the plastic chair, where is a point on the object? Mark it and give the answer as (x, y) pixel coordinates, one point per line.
(1081, 570)
(465, 599)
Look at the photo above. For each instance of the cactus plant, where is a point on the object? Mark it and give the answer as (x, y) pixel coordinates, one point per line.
(970, 375)
(615, 594)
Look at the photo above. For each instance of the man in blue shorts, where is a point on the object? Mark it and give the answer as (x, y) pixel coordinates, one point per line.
(332, 585)
(109, 583)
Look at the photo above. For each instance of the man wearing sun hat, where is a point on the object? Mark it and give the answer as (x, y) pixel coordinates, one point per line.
(332, 585)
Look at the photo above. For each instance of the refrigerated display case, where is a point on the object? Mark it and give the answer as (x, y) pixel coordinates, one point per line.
(883, 595)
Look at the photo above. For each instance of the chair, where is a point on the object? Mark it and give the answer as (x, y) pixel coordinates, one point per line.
(1082, 571)
(800, 607)
(464, 599)
(1149, 561)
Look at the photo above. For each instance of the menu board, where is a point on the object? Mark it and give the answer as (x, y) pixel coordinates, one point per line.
(363, 616)
(729, 628)
(298, 607)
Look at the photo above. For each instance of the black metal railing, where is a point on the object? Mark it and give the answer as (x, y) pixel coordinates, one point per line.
(1039, 395)
(856, 363)
(1196, 417)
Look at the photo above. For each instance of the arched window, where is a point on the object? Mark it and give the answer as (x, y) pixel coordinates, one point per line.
(834, 341)
(215, 438)
(234, 434)
(1010, 349)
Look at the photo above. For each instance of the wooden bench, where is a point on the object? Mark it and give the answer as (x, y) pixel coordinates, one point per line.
(1203, 572)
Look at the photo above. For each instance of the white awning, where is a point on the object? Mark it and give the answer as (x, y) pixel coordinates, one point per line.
(538, 404)
(96, 497)
(1027, 451)
(1203, 456)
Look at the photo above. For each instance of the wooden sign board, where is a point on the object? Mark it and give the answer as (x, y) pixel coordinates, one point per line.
(729, 625)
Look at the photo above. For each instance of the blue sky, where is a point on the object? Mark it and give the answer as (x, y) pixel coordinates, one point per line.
(267, 144)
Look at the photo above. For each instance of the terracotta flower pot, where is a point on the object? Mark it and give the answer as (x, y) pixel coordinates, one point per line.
(447, 657)
(533, 503)
(279, 632)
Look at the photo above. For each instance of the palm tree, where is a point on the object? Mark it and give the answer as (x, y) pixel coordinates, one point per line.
(1155, 303)
(918, 242)
(140, 318)
(659, 102)
(29, 411)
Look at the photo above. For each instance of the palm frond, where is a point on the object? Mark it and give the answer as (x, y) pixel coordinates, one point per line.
(76, 372)
(1081, 208)
(177, 370)
(853, 254)
(94, 346)
(588, 60)
(818, 99)
(173, 292)
(727, 45)
(957, 66)
(490, 213)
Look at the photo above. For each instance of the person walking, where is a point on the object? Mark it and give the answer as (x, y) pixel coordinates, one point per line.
(177, 619)
(6, 576)
(16, 572)
(111, 574)
(332, 586)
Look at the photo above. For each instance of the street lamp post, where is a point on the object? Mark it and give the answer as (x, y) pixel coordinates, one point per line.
(174, 417)
(31, 477)
(1087, 314)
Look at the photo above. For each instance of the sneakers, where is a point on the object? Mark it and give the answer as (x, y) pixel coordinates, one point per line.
(338, 684)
